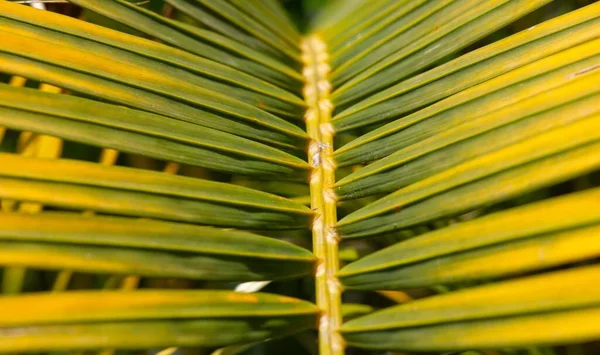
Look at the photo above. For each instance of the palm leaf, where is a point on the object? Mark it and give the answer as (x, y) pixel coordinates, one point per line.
(505, 185)
(149, 194)
(516, 53)
(150, 134)
(122, 245)
(463, 24)
(205, 17)
(466, 151)
(129, 73)
(507, 308)
(204, 43)
(276, 21)
(205, 318)
(252, 26)
(540, 225)
(143, 47)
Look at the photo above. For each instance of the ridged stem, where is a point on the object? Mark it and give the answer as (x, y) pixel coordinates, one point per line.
(323, 200)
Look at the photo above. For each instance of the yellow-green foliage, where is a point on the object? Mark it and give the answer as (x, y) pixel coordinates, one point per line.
(439, 154)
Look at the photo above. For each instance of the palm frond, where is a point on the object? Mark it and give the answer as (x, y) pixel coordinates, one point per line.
(180, 148)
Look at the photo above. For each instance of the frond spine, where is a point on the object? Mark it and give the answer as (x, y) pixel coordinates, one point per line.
(323, 200)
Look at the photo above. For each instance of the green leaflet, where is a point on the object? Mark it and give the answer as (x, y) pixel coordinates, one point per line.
(46, 308)
(527, 295)
(354, 310)
(13, 279)
(153, 135)
(147, 263)
(142, 180)
(328, 21)
(276, 8)
(136, 98)
(387, 15)
(194, 40)
(545, 309)
(281, 188)
(489, 263)
(495, 188)
(561, 87)
(127, 141)
(474, 68)
(149, 248)
(114, 201)
(482, 144)
(144, 47)
(540, 146)
(206, 18)
(144, 319)
(150, 334)
(574, 326)
(71, 228)
(540, 221)
(252, 26)
(354, 20)
(278, 22)
(132, 73)
(560, 213)
(150, 194)
(428, 42)
(414, 16)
